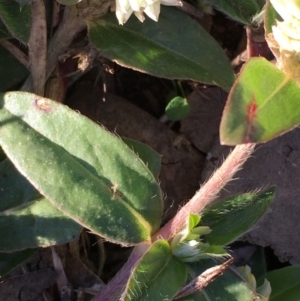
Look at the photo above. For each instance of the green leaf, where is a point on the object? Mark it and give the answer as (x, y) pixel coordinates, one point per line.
(17, 20)
(230, 286)
(177, 108)
(9, 261)
(285, 283)
(37, 224)
(216, 251)
(84, 170)
(241, 11)
(158, 276)
(262, 104)
(27, 220)
(15, 190)
(230, 218)
(271, 16)
(174, 47)
(150, 157)
(12, 72)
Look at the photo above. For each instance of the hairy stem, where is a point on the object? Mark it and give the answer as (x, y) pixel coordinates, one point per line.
(113, 290)
(208, 192)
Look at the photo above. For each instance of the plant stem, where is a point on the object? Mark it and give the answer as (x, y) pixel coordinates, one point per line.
(113, 290)
(37, 45)
(208, 192)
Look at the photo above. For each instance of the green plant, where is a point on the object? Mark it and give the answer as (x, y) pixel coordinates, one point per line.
(63, 171)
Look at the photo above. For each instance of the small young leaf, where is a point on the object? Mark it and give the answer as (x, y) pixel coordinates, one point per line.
(149, 156)
(85, 171)
(9, 261)
(177, 108)
(230, 218)
(262, 104)
(17, 20)
(158, 276)
(285, 283)
(174, 47)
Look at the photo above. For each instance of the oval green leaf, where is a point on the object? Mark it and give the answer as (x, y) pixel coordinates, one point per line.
(27, 220)
(174, 47)
(262, 104)
(285, 283)
(177, 108)
(17, 20)
(230, 218)
(85, 171)
(158, 276)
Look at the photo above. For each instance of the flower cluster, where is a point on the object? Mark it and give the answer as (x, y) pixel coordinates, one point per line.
(124, 8)
(285, 39)
(287, 33)
(188, 246)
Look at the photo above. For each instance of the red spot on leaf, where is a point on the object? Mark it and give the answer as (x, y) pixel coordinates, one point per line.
(42, 104)
(251, 111)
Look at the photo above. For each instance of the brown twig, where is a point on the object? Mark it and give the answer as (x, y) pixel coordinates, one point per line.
(38, 46)
(203, 280)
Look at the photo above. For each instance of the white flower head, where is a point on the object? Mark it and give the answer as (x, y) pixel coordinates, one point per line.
(285, 37)
(124, 8)
(287, 32)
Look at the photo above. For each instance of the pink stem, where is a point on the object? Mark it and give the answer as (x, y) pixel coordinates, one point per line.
(207, 193)
(114, 289)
